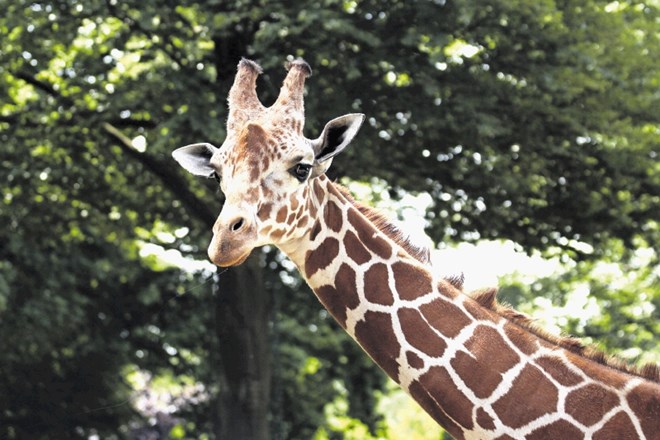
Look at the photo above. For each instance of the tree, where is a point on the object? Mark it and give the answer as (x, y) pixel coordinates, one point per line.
(611, 302)
(533, 121)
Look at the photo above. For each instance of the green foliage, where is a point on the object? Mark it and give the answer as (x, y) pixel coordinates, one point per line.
(404, 419)
(535, 121)
(613, 302)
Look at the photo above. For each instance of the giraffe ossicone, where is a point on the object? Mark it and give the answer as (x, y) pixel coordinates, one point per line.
(482, 371)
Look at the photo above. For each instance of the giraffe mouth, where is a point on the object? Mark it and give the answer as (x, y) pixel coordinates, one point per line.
(226, 253)
(228, 259)
(236, 262)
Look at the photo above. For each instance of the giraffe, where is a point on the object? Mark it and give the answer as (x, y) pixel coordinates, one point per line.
(481, 370)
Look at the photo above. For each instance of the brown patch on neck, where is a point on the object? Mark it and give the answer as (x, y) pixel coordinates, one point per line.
(422, 254)
(540, 394)
(411, 281)
(436, 391)
(617, 427)
(341, 297)
(321, 257)
(491, 359)
(375, 334)
(487, 299)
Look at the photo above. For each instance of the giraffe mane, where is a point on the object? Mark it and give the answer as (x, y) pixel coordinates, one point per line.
(487, 299)
(420, 253)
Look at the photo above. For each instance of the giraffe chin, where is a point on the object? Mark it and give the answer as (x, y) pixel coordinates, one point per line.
(228, 260)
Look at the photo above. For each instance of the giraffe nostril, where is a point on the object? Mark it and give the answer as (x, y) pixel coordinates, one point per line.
(238, 224)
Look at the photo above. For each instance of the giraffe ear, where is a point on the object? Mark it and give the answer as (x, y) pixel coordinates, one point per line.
(336, 136)
(196, 158)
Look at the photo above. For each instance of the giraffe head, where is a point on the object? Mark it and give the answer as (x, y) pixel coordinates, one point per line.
(265, 165)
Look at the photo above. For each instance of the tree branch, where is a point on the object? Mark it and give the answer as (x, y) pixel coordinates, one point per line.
(129, 122)
(171, 180)
(43, 86)
(10, 119)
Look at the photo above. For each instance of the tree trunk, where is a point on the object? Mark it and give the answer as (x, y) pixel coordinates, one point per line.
(242, 308)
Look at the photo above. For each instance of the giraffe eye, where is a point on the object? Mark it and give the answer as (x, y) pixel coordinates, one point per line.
(301, 171)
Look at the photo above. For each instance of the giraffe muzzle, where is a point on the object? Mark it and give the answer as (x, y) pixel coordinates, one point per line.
(234, 238)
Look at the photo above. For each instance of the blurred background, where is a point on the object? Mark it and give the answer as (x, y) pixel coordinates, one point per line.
(521, 136)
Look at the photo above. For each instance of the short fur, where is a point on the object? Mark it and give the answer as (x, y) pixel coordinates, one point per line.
(422, 254)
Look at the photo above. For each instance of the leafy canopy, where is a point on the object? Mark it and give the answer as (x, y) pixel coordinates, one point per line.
(535, 121)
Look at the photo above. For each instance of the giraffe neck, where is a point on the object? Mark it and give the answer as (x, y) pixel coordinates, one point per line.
(477, 373)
